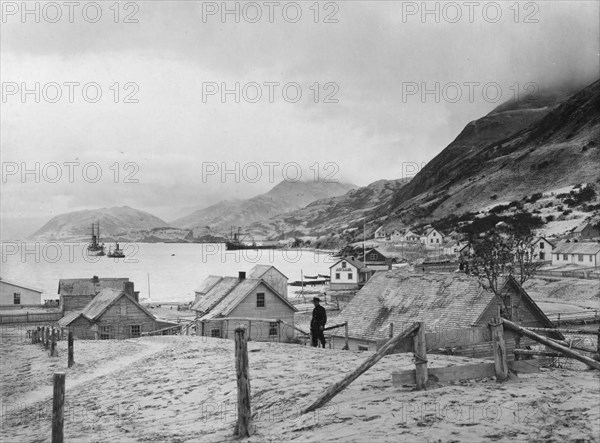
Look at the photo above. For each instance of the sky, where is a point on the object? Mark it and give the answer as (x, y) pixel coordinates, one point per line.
(135, 103)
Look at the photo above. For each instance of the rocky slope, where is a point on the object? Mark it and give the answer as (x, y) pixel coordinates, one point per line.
(114, 223)
(518, 149)
(286, 196)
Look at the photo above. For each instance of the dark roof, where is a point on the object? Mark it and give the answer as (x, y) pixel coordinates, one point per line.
(582, 227)
(86, 286)
(537, 239)
(577, 248)
(450, 301)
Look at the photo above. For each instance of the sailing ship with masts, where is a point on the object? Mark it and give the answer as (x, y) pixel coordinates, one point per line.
(95, 247)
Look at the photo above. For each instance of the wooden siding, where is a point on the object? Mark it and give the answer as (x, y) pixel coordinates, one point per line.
(121, 315)
(74, 302)
(276, 280)
(28, 296)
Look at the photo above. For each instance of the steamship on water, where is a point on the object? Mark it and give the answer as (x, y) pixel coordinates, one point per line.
(95, 247)
(236, 242)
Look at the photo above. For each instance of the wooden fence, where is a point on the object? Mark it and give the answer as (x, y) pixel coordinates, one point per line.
(27, 317)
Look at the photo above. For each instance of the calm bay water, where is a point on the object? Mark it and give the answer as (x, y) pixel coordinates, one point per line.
(175, 270)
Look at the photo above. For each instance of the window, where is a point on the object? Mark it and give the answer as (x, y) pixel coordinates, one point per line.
(105, 332)
(337, 275)
(363, 348)
(542, 256)
(430, 240)
(565, 257)
(541, 245)
(135, 330)
(591, 258)
(579, 257)
(344, 265)
(17, 298)
(273, 328)
(260, 300)
(373, 256)
(437, 240)
(215, 332)
(349, 275)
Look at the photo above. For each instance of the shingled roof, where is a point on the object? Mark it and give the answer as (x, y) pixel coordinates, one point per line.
(356, 263)
(577, 248)
(222, 299)
(87, 286)
(208, 283)
(451, 301)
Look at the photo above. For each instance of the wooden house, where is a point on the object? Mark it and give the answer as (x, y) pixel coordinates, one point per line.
(443, 301)
(584, 254)
(411, 237)
(380, 233)
(273, 276)
(13, 294)
(249, 302)
(375, 257)
(348, 273)
(111, 314)
(76, 293)
(541, 249)
(396, 236)
(432, 238)
(586, 232)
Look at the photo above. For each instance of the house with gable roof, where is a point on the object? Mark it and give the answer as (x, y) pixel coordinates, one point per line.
(256, 303)
(443, 301)
(76, 293)
(348, 273)
(111, 314)
(13, 294)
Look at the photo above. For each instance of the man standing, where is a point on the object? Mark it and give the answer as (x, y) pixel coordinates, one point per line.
(317, 324)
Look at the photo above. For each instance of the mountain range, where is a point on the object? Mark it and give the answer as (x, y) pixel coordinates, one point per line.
(541, 142)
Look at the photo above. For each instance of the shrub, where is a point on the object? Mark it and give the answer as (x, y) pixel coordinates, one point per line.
(549, 219)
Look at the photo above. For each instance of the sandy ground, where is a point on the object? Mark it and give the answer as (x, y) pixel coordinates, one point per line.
(183, 388)
(572, 292)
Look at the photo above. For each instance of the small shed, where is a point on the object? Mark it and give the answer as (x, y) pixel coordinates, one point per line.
(348, 273)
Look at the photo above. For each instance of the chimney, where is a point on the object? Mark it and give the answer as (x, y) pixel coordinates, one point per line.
(128, 289)
(95, 279)
(242, 275)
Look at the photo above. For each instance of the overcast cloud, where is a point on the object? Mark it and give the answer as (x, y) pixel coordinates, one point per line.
(167, 136)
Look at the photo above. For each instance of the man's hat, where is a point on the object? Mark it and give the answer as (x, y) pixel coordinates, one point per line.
(316, 299)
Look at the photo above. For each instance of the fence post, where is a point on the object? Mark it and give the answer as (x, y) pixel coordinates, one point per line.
(71, 360)
(243, 383)
(38, 338)
(391, 330)
(249, 330)
(420, 353)
(53, 343)
(346, 347)
(500, 363)
(46, 338)
(279, 329)
(58, 407)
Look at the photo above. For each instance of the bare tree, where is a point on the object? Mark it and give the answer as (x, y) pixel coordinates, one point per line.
(498, 254)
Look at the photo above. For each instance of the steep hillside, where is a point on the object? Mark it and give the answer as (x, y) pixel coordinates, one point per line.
(331, 214)
(286, 196)
(516, 150)
(114, 222)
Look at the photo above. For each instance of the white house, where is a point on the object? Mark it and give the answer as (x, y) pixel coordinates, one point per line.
(380, 233)
(585, 254)
(542, 249)
(432, 238)
(15, 294)
(453, 248)
(411, 237)
(348, 273)
(396, 236)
